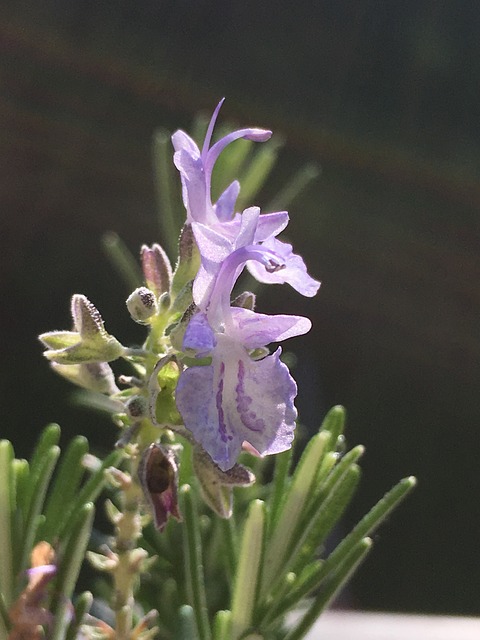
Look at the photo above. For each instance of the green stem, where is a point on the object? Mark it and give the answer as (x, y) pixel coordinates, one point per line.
(128, 530)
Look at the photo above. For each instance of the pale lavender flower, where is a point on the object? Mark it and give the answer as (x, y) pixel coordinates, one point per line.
(218, 230)
(253, 229)
(236, 398)
(196, 172)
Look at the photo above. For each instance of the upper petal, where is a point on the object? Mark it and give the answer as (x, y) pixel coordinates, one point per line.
(182, 140)
(225, 205)
(270, 224)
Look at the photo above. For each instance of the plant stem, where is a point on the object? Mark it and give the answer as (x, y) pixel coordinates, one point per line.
(128, 530)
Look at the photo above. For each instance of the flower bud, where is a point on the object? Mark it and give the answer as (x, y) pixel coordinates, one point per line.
(142, 305)
(158, 476)
(86, 317)
(156, 269)
(137, 407)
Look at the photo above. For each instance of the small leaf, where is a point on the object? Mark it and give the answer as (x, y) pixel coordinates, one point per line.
(217, 485)
(59, 339)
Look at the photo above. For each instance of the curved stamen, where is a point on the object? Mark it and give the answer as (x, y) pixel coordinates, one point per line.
(208, 136)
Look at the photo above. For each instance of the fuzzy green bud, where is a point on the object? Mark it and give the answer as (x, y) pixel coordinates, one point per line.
(142, 305)
(88, 343)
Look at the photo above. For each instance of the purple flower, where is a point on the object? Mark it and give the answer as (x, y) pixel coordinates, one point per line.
(236, 398)
(253, 229)
(218, 230)
(196, 172)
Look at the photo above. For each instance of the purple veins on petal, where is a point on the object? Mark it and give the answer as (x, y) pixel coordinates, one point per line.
(237, 399)
(248, 418)
(222, 430)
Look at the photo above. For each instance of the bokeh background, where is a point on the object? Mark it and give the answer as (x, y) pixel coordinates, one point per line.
(383, 95)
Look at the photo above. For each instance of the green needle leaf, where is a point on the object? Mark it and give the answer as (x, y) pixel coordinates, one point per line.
(6, 574)
(72, 556)
(65, 487)
(186, 628)
(82, 607)
(296, 501)
(372, 520)
(298, 183)
(323, 516)
(257, 171)
(194, 563)
(122, 260)
(334, 422)
(20, 483)
(89, 492)
(4, 619)
(48, 438)
(167, 202)
(283, 462)
(222, 625)
(337, 580)
(245, 592)
(40, 476)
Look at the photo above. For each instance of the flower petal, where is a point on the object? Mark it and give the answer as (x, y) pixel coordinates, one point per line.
(199, 336)
(294, 273)
(237, 399)
(255, 330)
(225, 205)
(270, 224)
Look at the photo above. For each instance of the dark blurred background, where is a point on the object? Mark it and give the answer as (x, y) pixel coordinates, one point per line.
(384, 96)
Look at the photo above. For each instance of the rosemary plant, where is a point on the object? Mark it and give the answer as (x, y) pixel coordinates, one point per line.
(216, 535)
